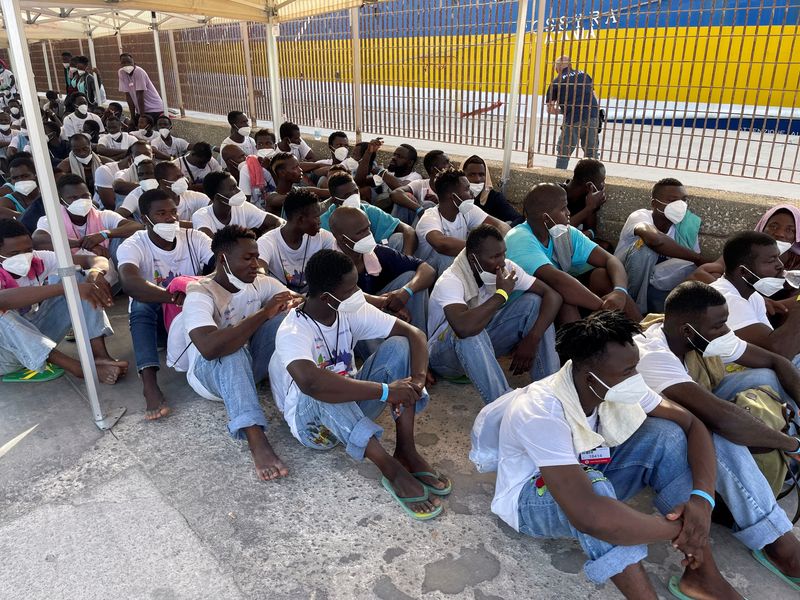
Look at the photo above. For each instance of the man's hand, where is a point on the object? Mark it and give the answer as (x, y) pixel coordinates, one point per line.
(177, 298)
(396, 300)
(774, 307)
(403, 392)
(96, 295)
(90, 241)
(374, 145)
(696, 515)
(553, 108)
(523, 355)
(506, 280)
(616, 300)
(595, 198)
(95, 276)
(277, 304)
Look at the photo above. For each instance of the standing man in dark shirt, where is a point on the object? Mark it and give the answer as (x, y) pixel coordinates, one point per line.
(572, 95)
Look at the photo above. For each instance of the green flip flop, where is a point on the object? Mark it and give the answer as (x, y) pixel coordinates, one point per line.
(675, 590)
(404, 503)
(793, 582)
(434, 490)
(49, 373)
(460, 380)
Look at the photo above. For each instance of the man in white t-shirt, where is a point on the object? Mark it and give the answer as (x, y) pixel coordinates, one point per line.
(198, 163)
(239, 133)
(170, 180)
(442, 230)
(34, 317)
(326, 400)
(73, 122)
(753, 272)
(149, 261)
(229, 206)
(166, 146)
(286, 250)
(255, 180)
(411, 200)
(126, 180)
(683, 358)
(660, 246)
(115, 143)
(226, 332)
(571, 449)
(471, 320)
(292, 142)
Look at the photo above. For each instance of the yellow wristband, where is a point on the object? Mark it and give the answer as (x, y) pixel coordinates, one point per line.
(797, 299)
(503, 294)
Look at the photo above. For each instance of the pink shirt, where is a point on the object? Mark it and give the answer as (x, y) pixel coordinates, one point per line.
(140, 80)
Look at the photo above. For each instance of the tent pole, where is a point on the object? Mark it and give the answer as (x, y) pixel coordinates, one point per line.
(173, 55)
(513, 92)
(161, 82)
(248, 71)
(274, 74)
(80, 46)
(119, 40)
(534, 89)
(358, 108)
(47, 66)
(57, 68)
(26, 87)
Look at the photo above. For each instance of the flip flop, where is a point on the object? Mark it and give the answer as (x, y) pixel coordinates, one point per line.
(49, 373)
(434, 490)
(404, 502)
(793, 582)
(675, 590)
(460, 380)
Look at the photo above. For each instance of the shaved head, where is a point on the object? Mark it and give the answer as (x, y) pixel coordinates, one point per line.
(347, 221)
(562, 62)
(543, 198)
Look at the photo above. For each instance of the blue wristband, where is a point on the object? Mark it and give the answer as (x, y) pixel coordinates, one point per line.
(704, 496)
(408, 291)
(384, 392)
(619, 288)
(420, 209)
(794, 452)
(104, 234)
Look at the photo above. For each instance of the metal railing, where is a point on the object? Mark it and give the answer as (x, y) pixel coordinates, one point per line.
(684, 85)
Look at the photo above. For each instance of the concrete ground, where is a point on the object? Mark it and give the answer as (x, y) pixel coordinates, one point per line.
(172, 510)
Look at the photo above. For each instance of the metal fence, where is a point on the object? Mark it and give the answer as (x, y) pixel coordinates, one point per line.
(698, 85)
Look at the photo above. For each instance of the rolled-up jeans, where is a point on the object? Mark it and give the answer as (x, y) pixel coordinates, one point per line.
(656, 457)
(147, 330)
(28, 338)
(475, 356)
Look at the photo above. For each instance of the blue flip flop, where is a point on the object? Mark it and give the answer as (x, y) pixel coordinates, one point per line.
(675, 590)
(432, 489)
(404, 503)
(793, 582)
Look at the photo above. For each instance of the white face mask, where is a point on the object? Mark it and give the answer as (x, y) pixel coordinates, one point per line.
(244, 131)
(65, 65)
(148, 184)
(487, 277)
(180, 186)
(783, 246)
(164, 132)
(294, 146)
(725, 346)
(166, 231)
(351, 304)
(341, 153)
(365, 245)
(25, 187)
(557, 229)
(266, 152)
(80, 207)
(232, 279)
(766, 286)
(793, 278)
(628, 391)
(352, 201)
(350, 163)
(142, 132)
(5, 128)
(14, 111)
(139, 158)
(82, 109)
(464, 206)
(128, 69)
(237, 199)
(377, 180)
(24, 132)
(19, 264)
(476, 188)
(84, 160)
(675, 211)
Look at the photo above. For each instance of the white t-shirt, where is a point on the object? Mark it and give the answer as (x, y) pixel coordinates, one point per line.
(190, 202)
(534, 433)
(287, 264)
(420, 188)
(128, 174)
(144, 137)
(742, 312)
(195, 174)
(244, 179)
(432, 220)
(628, 238)
(199, 310)
(6, 137)
(329, 347)
(109, 218)
(245, 215)
(122, 141)
(73, 124)
(248, 146)
(15, 143)
(301, 152)
(50, 268)
(659, 366)
(406, 180)
(178, 148)
(191, 253)
(449, 289)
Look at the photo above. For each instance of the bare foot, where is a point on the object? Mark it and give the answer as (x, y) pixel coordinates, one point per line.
(268, 465)
(415, 463)
(707, 588)
(110, 370)
(784, 553)
(406, 486)
(430, 378)
(156, 405)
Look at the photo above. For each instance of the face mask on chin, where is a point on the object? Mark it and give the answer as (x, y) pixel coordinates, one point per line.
(232, 279)
(629, 391)
(365, 245)
(19, 264)
(487, 277)
(351, 304)
(166, 231)
(766, 286)
(724, 346)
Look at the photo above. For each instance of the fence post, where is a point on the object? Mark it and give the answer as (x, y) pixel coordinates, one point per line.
(358, 108)
(248, 71)
(47, 65)
(56, 69)
(534, 87)
(173, 55)
(513, 92)
(273, 69)
(161, 82)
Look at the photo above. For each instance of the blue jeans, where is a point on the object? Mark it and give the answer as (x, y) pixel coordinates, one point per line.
(323, 425)
(451, 356)
(26, 340)
(147, 330)
(655, 456)
(234, 377)
(584, 132)
(408, 216)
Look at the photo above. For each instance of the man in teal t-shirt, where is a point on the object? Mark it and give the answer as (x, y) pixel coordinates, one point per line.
(548, 247)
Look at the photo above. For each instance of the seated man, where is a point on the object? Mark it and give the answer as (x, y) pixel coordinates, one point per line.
(229, 206)
(115, 143)
(442, 229)
(126, 180)
(586, 195)
(239, 133)
(227, 331)
(486, 197)
(293, 143)
(392, 281)
(411, 199)
(24, 200)
(81, 160)
(73, 122)
(660, 246)
(754, 271)
(286, 250)
(148, 262)
(326, 400)
(233, 157)
(385, 228)
(166, 146)
(198, 163)
(339, 147)
(170, 180)
(399, 172)
(255, 180)
(112, 184)
(287, 173)
(471, 321)
(547, 246)
(33, 311)
(571, 449)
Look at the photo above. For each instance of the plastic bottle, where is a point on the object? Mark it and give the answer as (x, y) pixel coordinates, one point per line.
(317, 129)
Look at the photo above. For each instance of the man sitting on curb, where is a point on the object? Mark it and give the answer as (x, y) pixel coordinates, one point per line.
(471, 321)
(571, 449)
